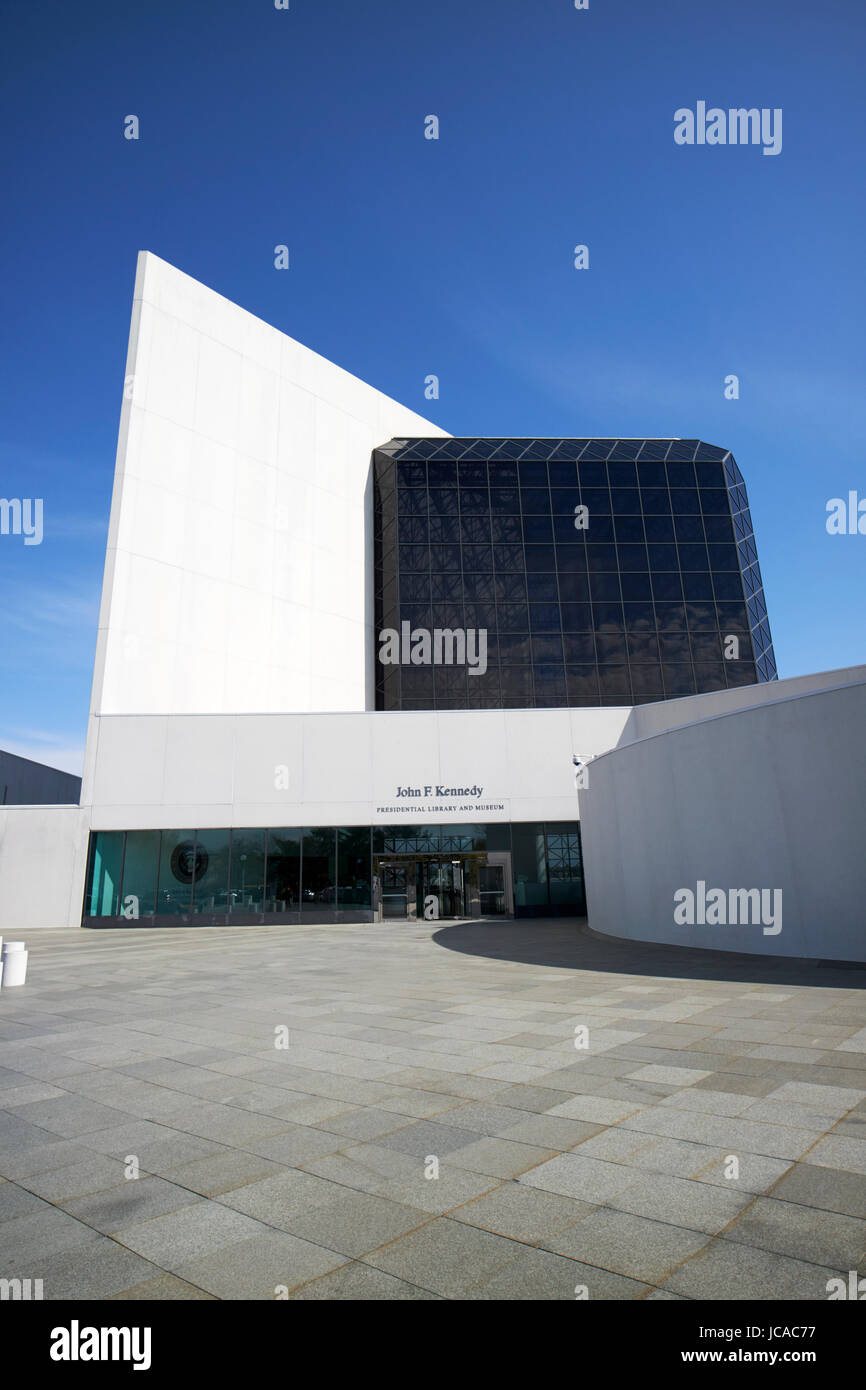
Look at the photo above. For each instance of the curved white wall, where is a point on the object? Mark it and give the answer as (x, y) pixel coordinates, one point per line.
(770, 797)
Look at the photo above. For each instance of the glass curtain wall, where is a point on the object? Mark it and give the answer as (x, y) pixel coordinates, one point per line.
(295, 874)
(604, 572)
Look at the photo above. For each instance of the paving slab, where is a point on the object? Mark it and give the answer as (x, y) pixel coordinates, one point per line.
(834, 1151)
(101, 1269)
(36, 1234)
(501, 1158)
(548, 1131)
(131, 1201)
(540, 1275)
(266, 1266)
(447, 1257)
(630, 1245)
(355, 1282)
(453, 1188)
(354, 1223)
(278, 1198)
(427, 1137)
(586, 1179)
(696, 1206)
(17, 1201)
(522, 1213)
(822, 1237)
(188, 1232)
(725, 1269)
(162, 1288)
(223, 1172)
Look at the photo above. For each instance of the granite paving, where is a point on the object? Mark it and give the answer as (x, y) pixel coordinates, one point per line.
(516, 1110)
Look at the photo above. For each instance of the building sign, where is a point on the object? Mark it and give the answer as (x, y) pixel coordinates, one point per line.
(436, 799)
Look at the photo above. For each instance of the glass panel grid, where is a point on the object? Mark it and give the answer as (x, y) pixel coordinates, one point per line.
(666, 514)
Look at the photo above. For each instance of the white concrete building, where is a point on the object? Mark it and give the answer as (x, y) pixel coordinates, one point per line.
(248, 759)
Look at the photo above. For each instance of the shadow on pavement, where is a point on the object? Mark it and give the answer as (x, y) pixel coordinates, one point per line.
(568, 944)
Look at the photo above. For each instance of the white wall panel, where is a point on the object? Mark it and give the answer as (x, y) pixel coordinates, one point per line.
(242, 478)
(43, 859)
(220, 770)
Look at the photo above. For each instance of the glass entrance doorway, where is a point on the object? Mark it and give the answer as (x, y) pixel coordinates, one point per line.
(491, 886)
(441, 889)
(434, 887)
(395, 890)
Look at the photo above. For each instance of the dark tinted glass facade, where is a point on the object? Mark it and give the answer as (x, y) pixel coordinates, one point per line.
(603, 571)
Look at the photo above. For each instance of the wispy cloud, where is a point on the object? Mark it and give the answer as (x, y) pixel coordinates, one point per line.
(644, 380)
(67, 607)
(43, 747)
(76, 527)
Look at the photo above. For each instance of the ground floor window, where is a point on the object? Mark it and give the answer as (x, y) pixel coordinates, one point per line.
(333, 873)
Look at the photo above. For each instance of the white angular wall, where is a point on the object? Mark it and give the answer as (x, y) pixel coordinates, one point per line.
(239, 566)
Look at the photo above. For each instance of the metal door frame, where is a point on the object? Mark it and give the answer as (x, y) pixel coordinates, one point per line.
(470, 861)
(503, 858)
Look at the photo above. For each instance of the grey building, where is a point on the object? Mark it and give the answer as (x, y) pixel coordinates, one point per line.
(27, 783)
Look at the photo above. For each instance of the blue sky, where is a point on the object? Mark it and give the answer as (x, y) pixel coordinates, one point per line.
(453, 257)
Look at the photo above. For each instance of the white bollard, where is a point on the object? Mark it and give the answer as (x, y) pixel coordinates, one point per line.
(14, 959)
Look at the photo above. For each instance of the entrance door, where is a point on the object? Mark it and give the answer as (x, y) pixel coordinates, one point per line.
(441, 888)
(395, 890)
(491, 890)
